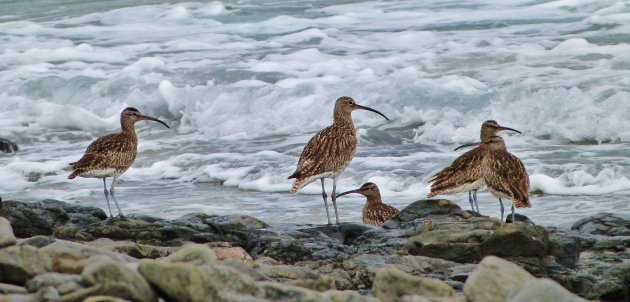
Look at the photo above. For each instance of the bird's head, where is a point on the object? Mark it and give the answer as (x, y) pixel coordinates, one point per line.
(368, 189)
(133, 115)
(491, 127)
(345, 105)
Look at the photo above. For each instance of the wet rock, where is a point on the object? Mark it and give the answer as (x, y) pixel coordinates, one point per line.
(414, 215)
(19, 263)
(11, 289)
(391, 284)
(518, 240)
(38, 241)
(117, 280)
(63, 249)
(494, 280)
(565, 249)
(458, 252)
(6, 233)
(604, 224)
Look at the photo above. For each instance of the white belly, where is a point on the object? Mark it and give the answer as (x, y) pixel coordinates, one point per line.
(109, 172)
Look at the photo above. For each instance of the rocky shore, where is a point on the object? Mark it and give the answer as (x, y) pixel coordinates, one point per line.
(431, 251)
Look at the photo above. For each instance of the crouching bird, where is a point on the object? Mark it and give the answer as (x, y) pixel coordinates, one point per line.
(375, 212)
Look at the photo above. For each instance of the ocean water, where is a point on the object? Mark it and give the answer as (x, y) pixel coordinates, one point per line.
(245, 84)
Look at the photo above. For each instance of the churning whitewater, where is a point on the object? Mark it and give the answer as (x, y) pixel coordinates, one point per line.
(245, 84)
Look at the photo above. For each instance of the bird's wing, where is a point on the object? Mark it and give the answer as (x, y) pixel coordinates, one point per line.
(506, 174)
(107, 152)
(465, 171)
(325, 152)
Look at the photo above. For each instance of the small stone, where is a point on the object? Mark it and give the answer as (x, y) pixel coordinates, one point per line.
(38, 241)
(6, 233)
(543, 290)
(494, 280)
(391, 284)
(196, 254)
(51, 279)
(103, 299)
(234, 253)
(11, 289)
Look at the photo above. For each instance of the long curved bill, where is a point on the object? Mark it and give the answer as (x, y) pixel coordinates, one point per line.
(509, 129)
(348, 192)
(148, 118)
(370, 109)
(468, 145)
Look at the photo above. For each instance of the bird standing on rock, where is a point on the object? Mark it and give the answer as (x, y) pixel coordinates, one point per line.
(375, 212)
(113, 154)
(330, 151)
(465, 173)
(505, 175)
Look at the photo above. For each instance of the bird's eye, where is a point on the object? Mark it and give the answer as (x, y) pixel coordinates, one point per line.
(349, 102)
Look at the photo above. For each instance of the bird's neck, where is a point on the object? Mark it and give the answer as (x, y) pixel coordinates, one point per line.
(343, 119)
(128, 127)
(374, 199)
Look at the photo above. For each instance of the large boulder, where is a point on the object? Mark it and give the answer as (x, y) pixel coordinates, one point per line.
(543, 290)
(518, 240)
(192, 274)
(604, 224)
(18, 263)
(391, 284)
(6, 233)
(113, 278)
(494, 280)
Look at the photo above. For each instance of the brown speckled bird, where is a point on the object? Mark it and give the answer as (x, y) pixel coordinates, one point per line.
(465, 173)
(330, 151)
(375, 212)
(505, 175)
(113, 154)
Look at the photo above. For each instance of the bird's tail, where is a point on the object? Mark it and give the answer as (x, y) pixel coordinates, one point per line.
(523, 203)
(298, 184)
(74, 174)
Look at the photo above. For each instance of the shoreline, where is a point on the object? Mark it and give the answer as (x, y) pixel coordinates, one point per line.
(431, 250)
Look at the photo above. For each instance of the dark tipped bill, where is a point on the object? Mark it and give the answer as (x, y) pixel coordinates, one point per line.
(467, 145)
(509, 129)
(370, 109)
(348, 192)
(148, 118)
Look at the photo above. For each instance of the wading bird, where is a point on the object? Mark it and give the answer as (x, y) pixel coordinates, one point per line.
(465, 173)
(330, 151)
(113, 154)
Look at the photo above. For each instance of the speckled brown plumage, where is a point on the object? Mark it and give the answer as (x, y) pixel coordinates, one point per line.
(113, 154)
(375, 212)
(505, 174)
(465, 174)
(330, 151)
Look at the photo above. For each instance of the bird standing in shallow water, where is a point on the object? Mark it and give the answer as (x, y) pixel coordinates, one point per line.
(113, 154)
(465, 173)
(375, 212)
(330, 151)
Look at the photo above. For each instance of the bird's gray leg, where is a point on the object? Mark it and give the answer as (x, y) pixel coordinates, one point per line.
(334, 198)
(111, 192)
(325, 201)
(501, 203)
(470, 199)
(107, 198)
(475, 199)
(513, 213)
